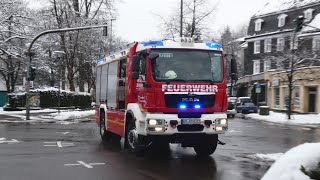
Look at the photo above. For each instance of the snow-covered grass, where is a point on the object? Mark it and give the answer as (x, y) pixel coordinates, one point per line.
(24, 111)
(70, 115)
(288, 166)
(51, 117)
(302, 119)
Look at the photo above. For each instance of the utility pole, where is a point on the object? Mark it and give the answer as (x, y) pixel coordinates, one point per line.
(181, 17)
(30, 54)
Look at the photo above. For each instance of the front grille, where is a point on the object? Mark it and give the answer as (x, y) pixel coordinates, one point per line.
(189, 115)
(195, 127)
(174, 100)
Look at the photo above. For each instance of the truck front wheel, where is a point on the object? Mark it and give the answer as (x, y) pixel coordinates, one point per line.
(104, 133)
(207, 145)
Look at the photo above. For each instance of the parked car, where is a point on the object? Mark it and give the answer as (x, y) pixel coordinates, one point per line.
(231, 112)
(232, 99)
(241, 100)
(247, 107)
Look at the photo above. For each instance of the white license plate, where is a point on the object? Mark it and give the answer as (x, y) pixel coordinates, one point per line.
(190, 121)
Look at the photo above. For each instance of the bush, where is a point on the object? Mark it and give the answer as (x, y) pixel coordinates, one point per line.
(313, 174)
(49, 98)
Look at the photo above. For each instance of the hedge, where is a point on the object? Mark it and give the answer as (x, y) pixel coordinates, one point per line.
(49, 98)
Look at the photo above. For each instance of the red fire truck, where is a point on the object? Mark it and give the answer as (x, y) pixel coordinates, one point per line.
(161, 92)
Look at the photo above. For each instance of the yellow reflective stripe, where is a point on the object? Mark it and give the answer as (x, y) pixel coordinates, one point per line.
(116, 122)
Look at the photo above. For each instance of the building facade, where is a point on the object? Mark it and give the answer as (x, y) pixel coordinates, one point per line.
(275, 49)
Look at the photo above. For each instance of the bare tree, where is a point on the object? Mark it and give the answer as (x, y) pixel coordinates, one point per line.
(294, 64)
(14, 33)
(195, 16)
(76, 45)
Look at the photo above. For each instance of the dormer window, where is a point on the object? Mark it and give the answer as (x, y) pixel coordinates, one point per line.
(258, 24)
(282, 20)
(308, 14)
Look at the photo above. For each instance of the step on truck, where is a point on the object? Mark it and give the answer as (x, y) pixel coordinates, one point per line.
(160, 92)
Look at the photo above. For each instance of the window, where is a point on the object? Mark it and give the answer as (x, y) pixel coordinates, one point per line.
(296, 98)
(179, 65)
(258, 24)
(112, 85)
(256, 47)
(282, 20)
(267, 45)
(276, 97)
(294, 44)
(256, 66)
(266, 65)
(98, 83)
(280, 44)
(316, 43)
(308, 14)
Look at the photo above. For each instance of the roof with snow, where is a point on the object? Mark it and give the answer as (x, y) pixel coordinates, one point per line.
(314, 23)
(283, 5)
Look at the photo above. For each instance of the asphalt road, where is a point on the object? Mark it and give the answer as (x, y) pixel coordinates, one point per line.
(74, 151)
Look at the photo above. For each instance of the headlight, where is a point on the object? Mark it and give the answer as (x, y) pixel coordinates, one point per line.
(152, 122)
(223, 121)
(155, 122)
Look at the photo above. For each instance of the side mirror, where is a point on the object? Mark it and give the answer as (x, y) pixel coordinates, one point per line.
(234, 72)
(135, 75)
(136, 64)
(153, 56)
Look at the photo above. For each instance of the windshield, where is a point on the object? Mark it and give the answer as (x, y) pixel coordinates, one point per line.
(187, 65)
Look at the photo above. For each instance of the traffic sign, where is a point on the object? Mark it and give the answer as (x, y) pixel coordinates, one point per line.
(258, 88)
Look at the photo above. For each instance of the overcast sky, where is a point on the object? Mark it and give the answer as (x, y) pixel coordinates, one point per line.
(136, 20)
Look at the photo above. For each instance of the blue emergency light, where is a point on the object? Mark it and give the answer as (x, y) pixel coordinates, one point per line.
(182, 106)
(197, 106)
(214, 45)
(152, 43)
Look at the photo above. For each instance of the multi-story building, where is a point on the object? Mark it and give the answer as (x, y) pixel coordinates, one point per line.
(274, 48)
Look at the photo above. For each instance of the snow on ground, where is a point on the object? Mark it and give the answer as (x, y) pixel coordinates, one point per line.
(304, 119)
(53, 117)
(287, 167)
(24, 111)
(71, 114)
(266, 157)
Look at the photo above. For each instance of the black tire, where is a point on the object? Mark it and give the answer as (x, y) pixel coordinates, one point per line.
(207, 145)
(233, 115)
(104, 133)
(128, 141)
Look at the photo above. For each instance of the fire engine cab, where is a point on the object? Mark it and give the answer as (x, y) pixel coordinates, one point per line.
(160, 92)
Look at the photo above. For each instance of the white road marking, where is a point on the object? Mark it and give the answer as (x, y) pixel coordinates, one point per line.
(72, 164)
(89, 165)
(58, 144)
(12, 141)
(63, 133)
(86, 165)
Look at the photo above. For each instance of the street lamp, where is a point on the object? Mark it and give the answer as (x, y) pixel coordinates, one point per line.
(59, 55)
(30, 54)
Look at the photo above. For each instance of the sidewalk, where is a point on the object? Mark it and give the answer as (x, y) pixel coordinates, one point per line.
(307, 120)
(46, 116)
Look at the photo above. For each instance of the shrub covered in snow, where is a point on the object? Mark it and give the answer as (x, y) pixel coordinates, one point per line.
(313, 174)
(49, 97)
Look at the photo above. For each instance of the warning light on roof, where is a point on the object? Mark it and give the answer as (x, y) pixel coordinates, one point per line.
(214, 45)
(152, 43)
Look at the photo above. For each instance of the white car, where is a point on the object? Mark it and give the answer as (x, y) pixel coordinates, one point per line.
(231, 112)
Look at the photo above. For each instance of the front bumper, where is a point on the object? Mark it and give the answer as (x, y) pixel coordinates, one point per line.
(170, 124)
